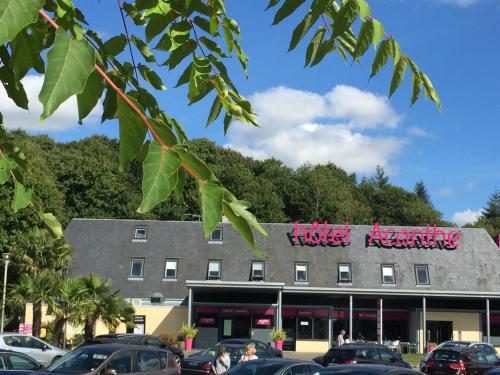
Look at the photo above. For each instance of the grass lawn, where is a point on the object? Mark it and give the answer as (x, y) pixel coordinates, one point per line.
(414, 359)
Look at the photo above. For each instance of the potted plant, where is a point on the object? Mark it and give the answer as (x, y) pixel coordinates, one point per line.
(189, 332)
(278, 335)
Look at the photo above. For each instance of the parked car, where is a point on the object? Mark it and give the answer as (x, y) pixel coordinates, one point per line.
(274, 366)
(113, 359)
(362, 353)
(33, 347)
(459, 360)
(136, 339)
(455, 344)
(259, 345)
(367, 369)
(200, 363)
(13, 363)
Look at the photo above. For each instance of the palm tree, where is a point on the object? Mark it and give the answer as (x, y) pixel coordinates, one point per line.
(67, 305)
(118, 311)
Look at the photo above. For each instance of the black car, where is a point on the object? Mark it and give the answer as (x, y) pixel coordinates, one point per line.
(274, 366)
(135, 339)
(362, 353)
(13, 363)
(201, 363)
(259, 345)
(366, 369)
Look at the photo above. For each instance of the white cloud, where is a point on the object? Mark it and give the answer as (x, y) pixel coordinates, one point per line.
(445, 192)
(470, 185)
(460, 3)
(64, 118)
(419, 132)
(465, 217)
(300, 126)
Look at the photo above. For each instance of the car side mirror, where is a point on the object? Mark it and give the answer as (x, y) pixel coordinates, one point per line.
(45, 348)
(110, 371)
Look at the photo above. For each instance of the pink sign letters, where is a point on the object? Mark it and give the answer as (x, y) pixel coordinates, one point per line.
(325, 233)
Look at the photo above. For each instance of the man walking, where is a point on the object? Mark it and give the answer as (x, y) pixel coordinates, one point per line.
(340, 338)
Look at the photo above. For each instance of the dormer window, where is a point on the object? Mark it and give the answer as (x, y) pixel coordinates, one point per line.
(216, 235)
(141, 234)
(422, 274)
(213, 270)
(345, 274)
(257, 270)
(388, 274)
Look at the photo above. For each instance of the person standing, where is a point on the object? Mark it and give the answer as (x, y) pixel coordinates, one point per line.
(340, 338)
(222, 361)
(250, 354)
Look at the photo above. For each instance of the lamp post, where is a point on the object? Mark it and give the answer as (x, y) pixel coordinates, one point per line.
(6, 259)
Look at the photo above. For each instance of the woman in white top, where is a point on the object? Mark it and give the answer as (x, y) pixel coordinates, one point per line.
(250, 354)
(222, 361)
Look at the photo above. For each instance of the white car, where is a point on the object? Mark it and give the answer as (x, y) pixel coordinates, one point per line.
(31, 346)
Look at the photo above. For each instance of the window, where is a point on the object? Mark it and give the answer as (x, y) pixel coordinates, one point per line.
(171, 269)
(213, 270)
(345, 273)
(301, 272)
(216, 235)
(388, 274)
(136, 268)
(20, 362)
(141, 234)
(121, 363)
(147, 361)
(422, 275)
(257, 270)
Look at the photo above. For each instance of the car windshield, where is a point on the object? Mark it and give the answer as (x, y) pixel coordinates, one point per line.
(351, 371)
(445, 355)
(234, 351)
(80, 361)
(254, 368)
(455, 345)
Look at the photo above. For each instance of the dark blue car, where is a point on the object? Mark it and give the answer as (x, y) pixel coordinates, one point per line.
(12, 363)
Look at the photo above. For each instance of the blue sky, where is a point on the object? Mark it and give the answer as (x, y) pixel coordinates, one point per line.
(332, 112)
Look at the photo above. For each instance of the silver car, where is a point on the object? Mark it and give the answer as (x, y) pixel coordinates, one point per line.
(33, 347)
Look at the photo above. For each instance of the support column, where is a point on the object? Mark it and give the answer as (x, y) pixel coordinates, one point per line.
(280, 301)
(424, 324)
(351, 333)
(488, 332)
(380, 321)
(330, 327)
(190, 306)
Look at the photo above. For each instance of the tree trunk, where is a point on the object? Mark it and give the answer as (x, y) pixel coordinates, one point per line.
(89, 328)
(37, 318)
(58, 331)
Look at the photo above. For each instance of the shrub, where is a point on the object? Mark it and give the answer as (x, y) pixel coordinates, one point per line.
(188, 331)
(168, 339)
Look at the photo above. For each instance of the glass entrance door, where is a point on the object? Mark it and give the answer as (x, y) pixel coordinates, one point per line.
(439, 331)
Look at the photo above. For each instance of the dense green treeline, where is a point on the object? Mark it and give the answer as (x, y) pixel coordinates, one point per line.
(81, 179)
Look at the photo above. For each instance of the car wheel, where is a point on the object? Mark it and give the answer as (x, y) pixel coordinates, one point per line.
(55, 359)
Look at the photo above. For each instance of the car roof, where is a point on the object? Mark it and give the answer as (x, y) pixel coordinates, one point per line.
(454, 349)
(114, 346)
(361, 368)
(358, 346)
(284, 361)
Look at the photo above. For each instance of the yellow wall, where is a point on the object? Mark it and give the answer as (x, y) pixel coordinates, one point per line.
(317, 346)
(466, 326)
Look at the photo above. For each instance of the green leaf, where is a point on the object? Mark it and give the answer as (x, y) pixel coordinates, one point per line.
(143, 49)
(132, 133)
(212, 46)
(228, 36)
(345, 17)
(90, 95)
(163, 131)
(365, 38)
(301, 30)
(6, 165)
(364, 9)
(156, 24)
(286, 9)
(242, 58)
(69, 64)
(176, 36)
(160, 175)
(194, 163)
(430, 91)
(396, 50)
(397, 77)
(243, 228)
(272, 3)
(184, 78)
(115, 45)
(227, 122)
(199, 82)
(13, 87)
(52, 224)
(240, 209)
(378, 32)
(324, 48)
(382, 56)
(180, 54)
(25, 53)
(214, 110)
(416, 86)
(203, 24)
(211, 194)
(150, 75)
(22, 196)
(313, 46)
(15, 15)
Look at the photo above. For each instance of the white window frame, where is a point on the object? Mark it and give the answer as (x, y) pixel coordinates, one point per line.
(211, 239)
(387, 267)
(426, 267)
(176, 262)
(301, 264)
(340, 279)
(140, 238)
(219, 266)
(258, 277)
(132, 261)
